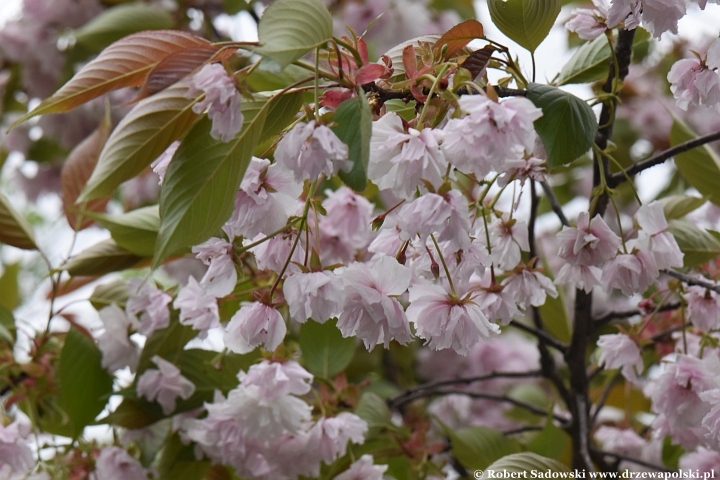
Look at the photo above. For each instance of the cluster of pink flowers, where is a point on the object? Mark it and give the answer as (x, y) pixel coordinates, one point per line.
(264, 428)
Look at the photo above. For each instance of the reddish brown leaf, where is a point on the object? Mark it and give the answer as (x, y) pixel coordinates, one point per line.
(125, 63)
(179, 64)
(75, 173)
(409, 61)
(333, 98)
(476, 61)
(69, 286)
(459, 36)
(370, 72)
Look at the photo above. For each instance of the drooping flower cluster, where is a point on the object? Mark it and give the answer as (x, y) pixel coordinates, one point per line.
(264, 429)
(221, 100)
(696, 81)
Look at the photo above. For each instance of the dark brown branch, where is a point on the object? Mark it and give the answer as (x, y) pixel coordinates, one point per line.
(541, 335)
(554, 204)
(688, 280)
(636, 461)
(604, 396)
(405, 95)
(409, 395)
(527, 428)
(576, 354)
(621, 315)
(619, 177)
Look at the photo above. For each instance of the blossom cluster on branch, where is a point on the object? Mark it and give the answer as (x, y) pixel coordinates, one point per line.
(316, 265)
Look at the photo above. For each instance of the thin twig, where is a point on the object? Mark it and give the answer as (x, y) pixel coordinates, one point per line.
(619, 177)
(611, 316)
(540, 334)
(603, 397)
(554, 204)
(527, 428)
(688, 280)
(407, 396)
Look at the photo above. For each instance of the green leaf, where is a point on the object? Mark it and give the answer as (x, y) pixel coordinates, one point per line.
(568, 125)
(289, 29)
(671, 453)
(14, 229)
(103, 257)
(132, 414)
(325, 351)
(589, 63)
(526, 22)
(698, 245)
(84, 385)
(9, 288)
(373, 410)
(552, 441)
(140, 137)
(477, 447)
(553, 312)
(120, 21)
(527, 462)
(677, 206)
(177, 462)
(354, 127)
(7, 326)
(203, 178)
(699, 166)
(110, 293)
(135, 231)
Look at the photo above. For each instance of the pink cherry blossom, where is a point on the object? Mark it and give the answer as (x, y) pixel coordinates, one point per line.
(330, 435)
(491, 133)
(581, 276)
(589, 243)
(508, 238)
(309, 150)
(658, 16)
(152, 302)
(529, 287)
(348, 217)
(370, 312)
(164, 384)
(273, 254)
(316, 295)
(711, 421)
(457, 229)
(118, 351)
(253, 324)
(521, 169)
(221, 276)
(447, 322)
(275, 379)
(693, 83)
(675, 396)
(620, 351)
(703, 459)
(630, 273)
(363, 469)
(703, 309)
(222, 100)
(114, 463)
(589, 23)
(267, 197)
(423, 216)
(161, 164)
(399, 161)
(15, 452)
(197, 308)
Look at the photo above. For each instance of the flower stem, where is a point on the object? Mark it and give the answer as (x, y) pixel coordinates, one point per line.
(445, 267)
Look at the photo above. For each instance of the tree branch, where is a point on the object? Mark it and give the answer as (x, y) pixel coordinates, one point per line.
(554, 204)
(541, 335)
(688, 280)
(609, 317)
(637, 167)
(410, 394)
